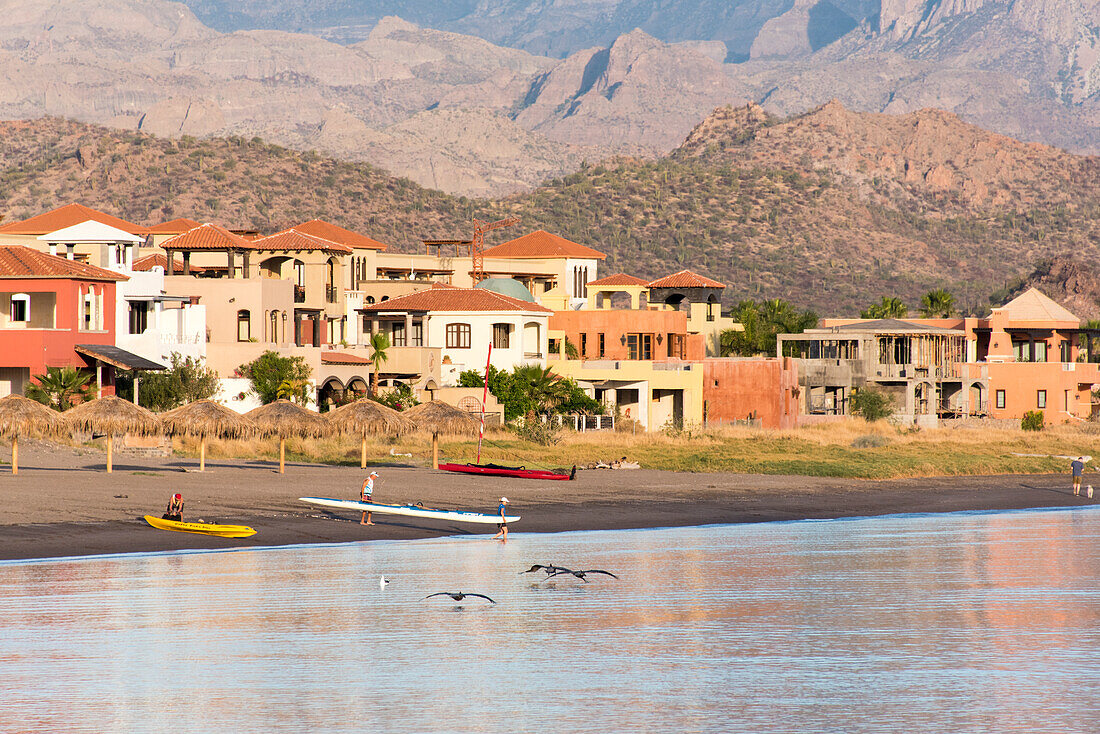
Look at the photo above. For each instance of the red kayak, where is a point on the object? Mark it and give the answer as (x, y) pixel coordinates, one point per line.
(496, 470)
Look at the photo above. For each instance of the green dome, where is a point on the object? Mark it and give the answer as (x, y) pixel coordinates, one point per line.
(507, 287)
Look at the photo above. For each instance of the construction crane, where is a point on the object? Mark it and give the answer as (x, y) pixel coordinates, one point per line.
(473, 245)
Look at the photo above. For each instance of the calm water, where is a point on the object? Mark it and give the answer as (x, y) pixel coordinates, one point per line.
(946, 623)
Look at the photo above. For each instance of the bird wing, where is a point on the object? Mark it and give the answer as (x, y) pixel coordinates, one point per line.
(606, 573)
(482, 596)
(438, 593)
(567, 572)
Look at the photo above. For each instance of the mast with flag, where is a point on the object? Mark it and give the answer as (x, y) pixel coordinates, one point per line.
(484, 397)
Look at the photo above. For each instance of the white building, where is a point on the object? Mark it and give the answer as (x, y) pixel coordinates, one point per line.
(463, 323)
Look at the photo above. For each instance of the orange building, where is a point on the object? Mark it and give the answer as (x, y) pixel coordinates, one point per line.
(750, 389)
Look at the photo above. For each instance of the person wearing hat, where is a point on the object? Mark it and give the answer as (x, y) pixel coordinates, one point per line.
(175, 509)
(368, 489)
(502, 533)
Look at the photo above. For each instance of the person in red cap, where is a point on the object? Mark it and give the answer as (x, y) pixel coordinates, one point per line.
(175, 508)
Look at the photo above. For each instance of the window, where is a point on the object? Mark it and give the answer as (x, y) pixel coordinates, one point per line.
(501, 333)
(1041, 398)
(600, 345)
(244, 326)
(584, 344)
(458, 336)
(398, 336)
(1065, 354)
(640, 346)
(299, 274)
(20, 307)
(418, 334)
(139, 317)
(1022, 351)
(368, 300)
(1000, 399)
(1040, 352)
(274, 326)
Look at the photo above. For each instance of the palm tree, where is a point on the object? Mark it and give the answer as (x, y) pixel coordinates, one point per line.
(889, 308)
(59, 386)
(937, 304)
(379, 343)
(545, 389)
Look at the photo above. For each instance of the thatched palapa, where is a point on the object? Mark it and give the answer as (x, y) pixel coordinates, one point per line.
(113, 416)
(283, 418)
(367, 417)
(204, 418)
(439, 417)
(20, 416)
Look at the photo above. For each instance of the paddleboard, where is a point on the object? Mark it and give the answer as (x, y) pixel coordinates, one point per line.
(409, 510)
(202, 528)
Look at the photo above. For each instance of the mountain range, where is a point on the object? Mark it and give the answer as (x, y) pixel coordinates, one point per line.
(830, 209)
(492, 97)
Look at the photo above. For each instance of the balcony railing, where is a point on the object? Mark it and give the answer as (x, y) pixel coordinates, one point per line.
(299, 294)
(330, 294)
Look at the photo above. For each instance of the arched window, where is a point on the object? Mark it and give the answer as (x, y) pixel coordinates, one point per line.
(244, 326)
(20, 308)
(368, 300)
(274, 326)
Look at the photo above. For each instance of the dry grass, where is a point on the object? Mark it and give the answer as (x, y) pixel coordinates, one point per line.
(812, 451)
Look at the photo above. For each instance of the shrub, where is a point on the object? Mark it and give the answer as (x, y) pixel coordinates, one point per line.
(186, 381)
(274, 376)
(1032, 420)
(870, 441)
(872, 405)
(536, 431)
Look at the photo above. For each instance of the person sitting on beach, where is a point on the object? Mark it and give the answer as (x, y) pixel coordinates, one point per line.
(175, 509)
(367, 491)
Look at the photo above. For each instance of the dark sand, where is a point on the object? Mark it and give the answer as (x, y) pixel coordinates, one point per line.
(63, 503)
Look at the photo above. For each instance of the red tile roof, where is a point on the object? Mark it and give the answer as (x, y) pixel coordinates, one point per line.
(618, 279)
(207, 237)
(325, 230)
(17, 261)
(685, 279)
(176, 226)
(543, 244)
(151, 261)
(67, 216)
(342, 358)
(455, 299)
(293, 240)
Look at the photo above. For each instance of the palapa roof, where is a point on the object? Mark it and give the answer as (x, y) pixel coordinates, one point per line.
(439, 417)
(207, 237)
(67, 216)
(456, 299)
(366, 416)
(20, 416)
(685, 279)
(113, 415)
(1033, 305)
(17, 261)
(207, 418)
(284, 418)
(292, 240)
(542, 244)
(329, 231)
(618, 279)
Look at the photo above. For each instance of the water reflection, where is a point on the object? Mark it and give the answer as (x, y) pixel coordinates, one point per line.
(941, 623)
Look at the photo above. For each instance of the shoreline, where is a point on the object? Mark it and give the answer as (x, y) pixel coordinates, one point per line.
(63, 504)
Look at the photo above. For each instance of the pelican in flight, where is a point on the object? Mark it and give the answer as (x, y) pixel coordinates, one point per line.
(457, 595)
(581, 574)
(549, 569)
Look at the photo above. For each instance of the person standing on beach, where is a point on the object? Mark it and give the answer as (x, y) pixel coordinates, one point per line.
(1077, 466)
(366, 492)
(175, 508)
(502, 508)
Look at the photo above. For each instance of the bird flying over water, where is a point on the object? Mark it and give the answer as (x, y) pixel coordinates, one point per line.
(581, 574)
(457, 595)
(549, 569)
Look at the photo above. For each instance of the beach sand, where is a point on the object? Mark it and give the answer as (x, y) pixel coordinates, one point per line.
(63, 503)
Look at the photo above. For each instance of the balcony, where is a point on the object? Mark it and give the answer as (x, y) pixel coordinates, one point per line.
(330, 293)
(299, 294)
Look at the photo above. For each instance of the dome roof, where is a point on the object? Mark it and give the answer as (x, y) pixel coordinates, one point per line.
(507, 287)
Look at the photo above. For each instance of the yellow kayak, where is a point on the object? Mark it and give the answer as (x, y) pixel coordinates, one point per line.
(202, 528)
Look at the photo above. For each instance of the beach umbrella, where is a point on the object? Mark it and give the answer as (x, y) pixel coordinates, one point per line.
(283, 418)
(439, 417)
(368, 417)
(112, 415)
(204, 418)
(20, 416)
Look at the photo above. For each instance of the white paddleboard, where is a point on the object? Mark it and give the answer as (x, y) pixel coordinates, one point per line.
(409, 510)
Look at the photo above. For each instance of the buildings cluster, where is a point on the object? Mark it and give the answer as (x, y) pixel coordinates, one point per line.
(81, 288)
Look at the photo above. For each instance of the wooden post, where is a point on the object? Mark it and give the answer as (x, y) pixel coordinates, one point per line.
(363, 454)
(435, 450)
(15, 454)
(110, 446)
(202, 452)
(282, 455)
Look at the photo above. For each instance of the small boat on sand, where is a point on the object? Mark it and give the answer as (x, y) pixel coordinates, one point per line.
(409, 510)
(519, 472)
(201, 528)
